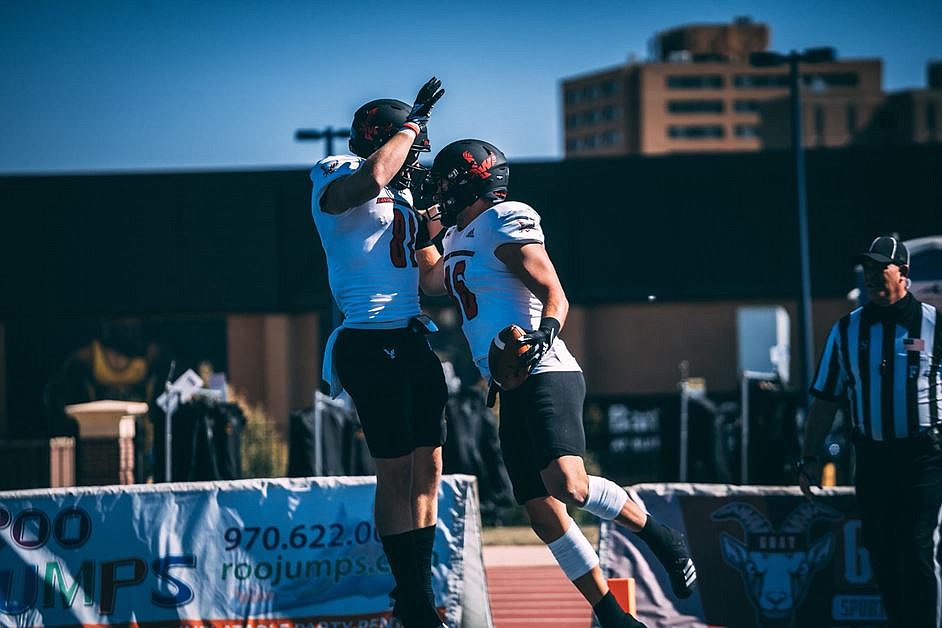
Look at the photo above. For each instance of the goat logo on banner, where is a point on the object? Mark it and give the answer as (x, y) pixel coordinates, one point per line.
(776, 564)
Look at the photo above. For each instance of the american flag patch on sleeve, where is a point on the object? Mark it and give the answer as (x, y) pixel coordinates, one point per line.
(914, 344)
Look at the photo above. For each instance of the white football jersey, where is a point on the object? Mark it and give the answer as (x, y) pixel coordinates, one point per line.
(370, 249)
(488, 295)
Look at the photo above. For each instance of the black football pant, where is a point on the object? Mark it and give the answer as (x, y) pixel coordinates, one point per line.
(899, 493)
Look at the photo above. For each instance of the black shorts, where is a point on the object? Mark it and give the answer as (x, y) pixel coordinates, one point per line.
(539, 422)
(397, 386)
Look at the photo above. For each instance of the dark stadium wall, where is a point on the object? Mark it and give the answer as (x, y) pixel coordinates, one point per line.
(713, 227)
(701, 233)
(684, 228)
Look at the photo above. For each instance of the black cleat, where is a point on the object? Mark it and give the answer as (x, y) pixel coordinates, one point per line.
(416, 615)
(631, 622)
(670, 547)
(611, 615)
(679, 565)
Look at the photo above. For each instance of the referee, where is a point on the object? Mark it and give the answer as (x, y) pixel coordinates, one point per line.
(884, 359)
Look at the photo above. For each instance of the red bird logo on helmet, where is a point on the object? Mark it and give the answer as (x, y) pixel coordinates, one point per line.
(368, 129)
(481, 170)
(372, 131)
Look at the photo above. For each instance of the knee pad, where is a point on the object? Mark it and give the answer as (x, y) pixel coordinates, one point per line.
(573, 552)
(605, 499)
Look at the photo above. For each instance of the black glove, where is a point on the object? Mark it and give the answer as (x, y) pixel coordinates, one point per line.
(540, 341)
(424, 101)
(422, 237)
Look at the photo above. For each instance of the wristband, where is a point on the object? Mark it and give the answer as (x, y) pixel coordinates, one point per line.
(411, 126)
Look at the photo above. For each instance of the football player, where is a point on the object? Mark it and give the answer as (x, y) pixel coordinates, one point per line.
(498, 272)
(378, 251)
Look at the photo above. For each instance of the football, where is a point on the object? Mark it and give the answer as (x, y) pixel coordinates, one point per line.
(503, 358)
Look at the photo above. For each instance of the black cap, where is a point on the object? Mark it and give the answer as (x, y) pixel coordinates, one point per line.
(885, 250)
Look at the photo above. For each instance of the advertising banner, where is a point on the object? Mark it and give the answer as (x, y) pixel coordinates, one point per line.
(239, 553)
(765, 556)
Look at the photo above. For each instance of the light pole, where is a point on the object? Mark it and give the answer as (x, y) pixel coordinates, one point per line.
(793, 58)
(327, 134)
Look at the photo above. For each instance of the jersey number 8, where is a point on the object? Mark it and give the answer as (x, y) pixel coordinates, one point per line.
(397, 246)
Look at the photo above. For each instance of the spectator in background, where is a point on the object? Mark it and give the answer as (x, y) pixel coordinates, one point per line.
(119, 364)
(883, 358)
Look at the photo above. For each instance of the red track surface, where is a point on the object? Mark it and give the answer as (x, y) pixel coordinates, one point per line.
(525, 596)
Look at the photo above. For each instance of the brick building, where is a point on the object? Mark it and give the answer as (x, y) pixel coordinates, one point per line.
(701, 94)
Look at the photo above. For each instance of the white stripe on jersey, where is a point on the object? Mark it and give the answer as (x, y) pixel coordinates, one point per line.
(853, 344)
(875, 390)
(937, 569)
(927, 334)
(826, 364)
(899, 374)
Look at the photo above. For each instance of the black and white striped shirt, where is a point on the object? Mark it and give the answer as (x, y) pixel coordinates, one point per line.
(885, 361)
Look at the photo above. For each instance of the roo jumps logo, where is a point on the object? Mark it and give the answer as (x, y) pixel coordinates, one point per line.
(776, 565)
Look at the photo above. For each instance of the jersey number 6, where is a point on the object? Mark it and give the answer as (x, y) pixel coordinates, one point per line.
(465, 299)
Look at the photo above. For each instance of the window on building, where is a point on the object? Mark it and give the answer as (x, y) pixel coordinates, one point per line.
(832, 79)
(589, 117)
(819, 122)
(572, 121)
(572, 96)
(588, 141)
(695, 106)
(611, 138)
(696, 131)
(747, 106)
(589, 92)
(572, 144)
(758, 81)
(747, 130)
(931, 121)
(609, 112)
(609, 88)
(851, 118)
(695, 81)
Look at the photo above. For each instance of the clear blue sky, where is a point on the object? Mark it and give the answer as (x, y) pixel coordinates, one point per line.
(153, 84)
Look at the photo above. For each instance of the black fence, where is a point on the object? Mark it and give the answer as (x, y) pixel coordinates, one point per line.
(637, 438)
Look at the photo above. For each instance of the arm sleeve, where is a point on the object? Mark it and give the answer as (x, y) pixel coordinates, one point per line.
(830, 381)
(520, 225)
(328, 170)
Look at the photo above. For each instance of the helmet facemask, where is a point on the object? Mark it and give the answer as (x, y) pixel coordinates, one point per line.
(452, 193)
(412, 171)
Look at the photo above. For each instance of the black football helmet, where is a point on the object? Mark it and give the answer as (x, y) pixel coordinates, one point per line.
(463, 172)
(377, 121)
